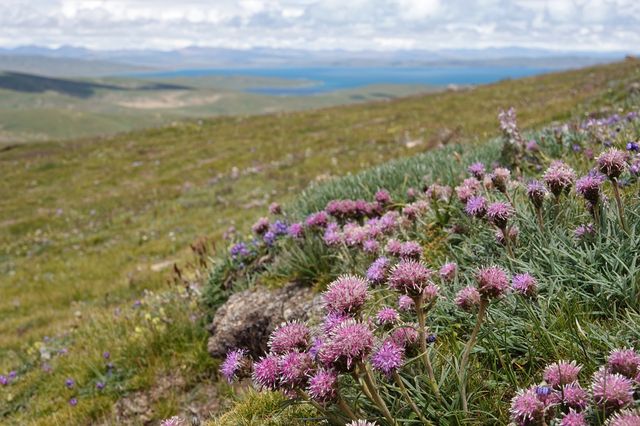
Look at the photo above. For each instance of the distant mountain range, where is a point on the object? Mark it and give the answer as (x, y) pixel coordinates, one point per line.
(79, 61)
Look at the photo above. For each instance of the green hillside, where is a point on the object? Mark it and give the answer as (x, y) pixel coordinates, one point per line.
(87, 225)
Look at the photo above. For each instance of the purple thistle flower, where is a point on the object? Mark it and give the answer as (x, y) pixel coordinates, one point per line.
(394, 247)
(411, 250)
(526, 409)
(584, 232)
(611, 391)
(430, 293)
(316, 344)
(387, 315)
(361, 423)
(477, 170)
(634, 168)
(4, 380)
(468, 298)
(73, 402)
(448, 271)
(261, 226)
(389, 221)
(378, 270)
(323, 386)
(612, 163)
(589, 187)
(525, 284)
(173, 421)
(411, 194)
(499, 213)
(347, 294)
(332, 235)
(492, 281)
(106, 355)
(290, 337)
(383, 197)
(404, 336)
(559, 177)
(536, 193)
(266, 373)
(388, 358)
(295, 368)
(573, 418)
(410, 277)
(500, 178)
(349, 343)
(279, 228)
(296, 230)
(275, 208)
(69, 383)
(625, 418)
(573, 396)
(405, 303)
(371, 246)
(476, 206)
(233, 364)
(332, 320)
(532, 146)
(100, 386)
(625, 362)
(464, 192)
(561, 373)
(269, 238)
(317, 220)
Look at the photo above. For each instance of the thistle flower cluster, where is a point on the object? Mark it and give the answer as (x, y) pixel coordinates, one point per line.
(611, 393)
(559, 178)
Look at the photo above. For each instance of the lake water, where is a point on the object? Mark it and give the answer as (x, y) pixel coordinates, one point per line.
(323, 80)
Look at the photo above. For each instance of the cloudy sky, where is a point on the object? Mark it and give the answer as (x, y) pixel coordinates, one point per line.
(323, 24)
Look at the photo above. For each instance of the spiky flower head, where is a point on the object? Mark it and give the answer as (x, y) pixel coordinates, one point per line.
(347, 294)
(476, 206)
(589, 187)
(377, 272)
(499, 213)
(526, 409)
(468, 298)
(525, 284)
(573, 418)
(405, 336)
(405, 303)
(296, 230)
(464, 192)
(235, 362)
(371, 246)
(430, 293)
(349, 343)
(266, 373)
(275, 208)
(584, 232)
(500, 178)
(625, 418)
(289, 337)
(611, 391)
(323, 386)
(173, 421)
(448, 271)
(559, 177)
(492, 281)
(571, 395)
(295, 368)
(332, 320)
(625, 362)
(410, 277)
(388, 358)
(411, 250)
(362, 423)
(561, 373)
(394, 247)
(612, 163)
(317, 220)
(383, 197)
(536, 193)
(387, 315)
(477, 170)
(261, 226)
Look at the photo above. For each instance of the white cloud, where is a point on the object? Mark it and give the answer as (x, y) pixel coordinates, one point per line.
(323, 24)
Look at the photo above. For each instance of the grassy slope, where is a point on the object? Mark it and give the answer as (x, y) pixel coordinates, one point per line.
(108, 223)
(85, 220)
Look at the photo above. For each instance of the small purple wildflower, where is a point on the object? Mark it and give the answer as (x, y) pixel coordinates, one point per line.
(317, 220)
(266, 373)
(526, 408)
(371, 246)
(323, 386)
(388, 358)
(106, 355)
(448, 271)
(269, 238)
(347, 294)
(584, 232)
(476, 206)
(589, 187)
(499, 213)
(477, 170)
(532, 146)
(633, 146)
(611, 391)
(349, 343)
(405, 303)
(383, 197)
(468, 298)
(234, 362)
(69, 383)
(378, 270)
(525, 284)
(296, 230)
(73, 402)
(536, 193)
(239, 250)
(100, 386)
(492, 282)
(290, 337)
(394, 247)
(411, 250)
(625, 362)
(612, 163)
(387, 315)
(573, 418)
(405, 336)
(4, 380)
(295, 368)
(561, 373)
(559, 177)
(279, 228)
(500, 178)
(410, 277)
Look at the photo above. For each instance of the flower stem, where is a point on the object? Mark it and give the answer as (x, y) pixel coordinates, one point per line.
(616, 192)
(423, 348)
(376, 399)
(344, 407)
(507, 240)
(540, 220)
(407, 397)
(467, 351)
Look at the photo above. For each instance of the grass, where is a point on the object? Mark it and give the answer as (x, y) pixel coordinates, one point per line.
(88, 225)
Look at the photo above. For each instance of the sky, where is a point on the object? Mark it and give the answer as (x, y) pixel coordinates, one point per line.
(589, 25)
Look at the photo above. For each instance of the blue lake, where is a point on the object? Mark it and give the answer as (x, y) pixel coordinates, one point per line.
(314, 81)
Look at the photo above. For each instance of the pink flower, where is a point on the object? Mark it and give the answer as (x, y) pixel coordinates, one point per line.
(625, 418)
(323, 386)
(611, 391)
(525, 284)
(388, 358)
(266, 373)
(559, 177)
(295, 368)
(499, 213)
(468, 298)
(410, 277)
(561, 373)
(317, 220)
(173, 421)
(261, 226)
(233, 364)
(275, 208)
(571, 395)
(625, 362)
(526, 409)
(394, 248)
(573, 418)
(405, 303)
(332, 320)
(296, 230)
(349, 343)
(448, 271)
(405, 336)
(589, 187)
(411, 250)
(430, 293)
(378, 270)
(612, 163)
(347, 294)
(476, 206)
(383, 197)
(387, 315)
(290, 337)
(536, 193)
(500, 178)
(477, 170)
(492, 281)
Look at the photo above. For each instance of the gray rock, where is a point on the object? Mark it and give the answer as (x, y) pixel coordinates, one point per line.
(247, 319)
